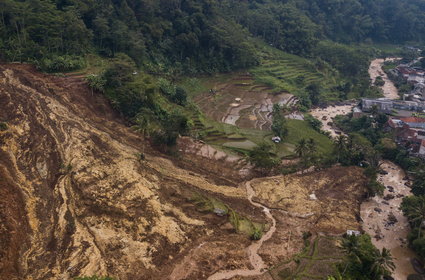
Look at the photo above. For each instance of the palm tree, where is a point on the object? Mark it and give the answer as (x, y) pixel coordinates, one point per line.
(340, 145)
(144, 125)
(351, 247)
(301, 148)
(417, 214)
(311, 146)
(383, 263)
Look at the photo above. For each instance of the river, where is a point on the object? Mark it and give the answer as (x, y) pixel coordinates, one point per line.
(375, 212)
(375, 215)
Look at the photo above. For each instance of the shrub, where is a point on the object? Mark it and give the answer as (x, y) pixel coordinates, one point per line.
(56, 63)
(314, 123)
(3, 126)
(96, 82)
(262, 157)
(257, 234)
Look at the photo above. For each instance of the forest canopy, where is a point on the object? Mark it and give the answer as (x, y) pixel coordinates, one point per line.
(196, 35)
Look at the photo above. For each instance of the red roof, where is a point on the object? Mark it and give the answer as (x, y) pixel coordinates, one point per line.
(413, 120)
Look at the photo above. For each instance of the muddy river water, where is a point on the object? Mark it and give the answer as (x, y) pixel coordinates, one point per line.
(378, 212)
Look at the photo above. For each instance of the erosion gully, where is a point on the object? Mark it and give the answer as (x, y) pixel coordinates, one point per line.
(254, 258)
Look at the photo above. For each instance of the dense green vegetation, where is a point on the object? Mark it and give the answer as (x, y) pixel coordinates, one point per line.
(156, 107)
(197, 36)
(190, 35)
(364, 261)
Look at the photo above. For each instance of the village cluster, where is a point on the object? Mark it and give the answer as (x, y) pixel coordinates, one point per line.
(407, 116)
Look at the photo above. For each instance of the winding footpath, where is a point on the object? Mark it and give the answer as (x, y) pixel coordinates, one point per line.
(254, 258)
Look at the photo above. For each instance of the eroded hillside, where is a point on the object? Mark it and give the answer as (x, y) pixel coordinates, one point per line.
(75, 198)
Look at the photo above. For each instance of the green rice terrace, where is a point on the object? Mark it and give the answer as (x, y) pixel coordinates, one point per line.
(235, 108)
(293, 74)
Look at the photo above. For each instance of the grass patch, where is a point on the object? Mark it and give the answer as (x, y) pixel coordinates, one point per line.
(302, 130)
(238, 140)
(240, 223)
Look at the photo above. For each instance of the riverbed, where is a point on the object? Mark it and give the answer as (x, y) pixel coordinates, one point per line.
(377, 223)
(375, 212)
(375, 70)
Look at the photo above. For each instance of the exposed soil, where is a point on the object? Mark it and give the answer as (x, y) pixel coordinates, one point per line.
(256, 261)
(76, 200)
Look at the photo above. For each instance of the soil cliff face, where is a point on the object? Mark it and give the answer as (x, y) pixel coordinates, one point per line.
(75, 200)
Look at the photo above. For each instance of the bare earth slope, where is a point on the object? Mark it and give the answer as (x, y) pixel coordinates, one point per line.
(74, 199)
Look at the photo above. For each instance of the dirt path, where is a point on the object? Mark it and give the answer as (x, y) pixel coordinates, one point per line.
(375, 70)
(375, 215)
(255, 259)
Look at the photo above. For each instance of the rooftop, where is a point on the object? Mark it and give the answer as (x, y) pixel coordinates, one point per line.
(413, 120)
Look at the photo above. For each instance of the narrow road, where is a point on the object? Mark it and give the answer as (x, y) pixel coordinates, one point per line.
(254, 258)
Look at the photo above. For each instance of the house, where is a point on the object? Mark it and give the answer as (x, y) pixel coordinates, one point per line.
(387, 106)
(419, 90)
(414, 122)
(409, 132)
(408, 105)
(383, 105)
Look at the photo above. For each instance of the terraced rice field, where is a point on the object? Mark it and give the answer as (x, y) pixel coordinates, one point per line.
(291, 73)
(242, 102)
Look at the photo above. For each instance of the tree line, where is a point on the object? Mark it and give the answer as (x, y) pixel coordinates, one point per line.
(195, 36)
